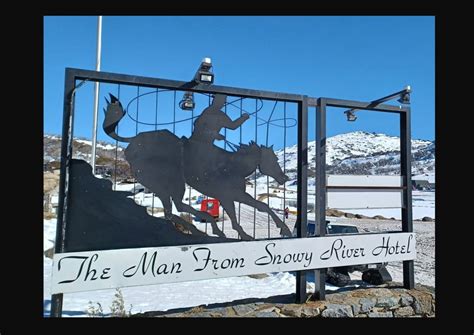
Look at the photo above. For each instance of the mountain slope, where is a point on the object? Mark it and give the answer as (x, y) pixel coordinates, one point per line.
(352, 153)
(363, 153)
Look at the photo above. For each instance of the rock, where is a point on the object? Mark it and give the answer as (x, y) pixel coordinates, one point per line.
(49, 253)
(366, 304)
(172, 315)
(200, 315)
(355, 309)
(387, 302)
(334, 212)
(272, 314)
(219, 311)
(337, 311)
(406, 300)
(427, 218)
(379, 217)
(309, 312)
(242, 310)
(403, 312)
(350, 216)
(291, 310)
(300, 311)
(380, 315)
(259, 276)
(296, 310)
(422, 302)
(373, 293)
(360, 216)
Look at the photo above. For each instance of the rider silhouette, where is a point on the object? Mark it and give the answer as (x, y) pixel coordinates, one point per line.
(208, 125)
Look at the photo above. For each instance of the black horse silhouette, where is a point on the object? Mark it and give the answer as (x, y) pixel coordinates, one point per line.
(164, 163)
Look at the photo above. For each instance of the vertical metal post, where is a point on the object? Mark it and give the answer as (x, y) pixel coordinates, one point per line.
(320, 211)
(255, 173)
(66, 154)
(284, 160)
(407, 222)
(96, 93)
(302, 196)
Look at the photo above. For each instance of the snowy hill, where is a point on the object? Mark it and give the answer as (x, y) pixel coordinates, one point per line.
(81, 149)
(105, 155)
(363, 153)
(352, 153)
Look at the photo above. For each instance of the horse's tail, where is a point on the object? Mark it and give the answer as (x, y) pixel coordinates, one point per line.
(113, 114)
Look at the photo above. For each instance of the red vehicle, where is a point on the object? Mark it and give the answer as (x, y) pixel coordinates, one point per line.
(211, 206)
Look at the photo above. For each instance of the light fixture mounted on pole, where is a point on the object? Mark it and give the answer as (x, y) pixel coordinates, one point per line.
(187, 103)
(350, 115)
(204, 74)
(403, 98)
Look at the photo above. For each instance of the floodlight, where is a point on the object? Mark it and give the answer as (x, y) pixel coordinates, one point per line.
(187, 103)
(204, 74)
(350, 115)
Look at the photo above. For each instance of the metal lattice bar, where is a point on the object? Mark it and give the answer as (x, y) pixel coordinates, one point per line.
(255, 175)
(284, 160)
(156, 127)
(225, 148)
(302, 195)
(240, 141)
(116, 147)
(136, 133)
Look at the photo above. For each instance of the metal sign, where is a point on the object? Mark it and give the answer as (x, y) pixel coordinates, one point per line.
(164, 163)
(105, 240)
(95, 270)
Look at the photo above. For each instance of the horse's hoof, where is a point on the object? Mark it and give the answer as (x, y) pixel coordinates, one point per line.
(246, 237)
(219, 233)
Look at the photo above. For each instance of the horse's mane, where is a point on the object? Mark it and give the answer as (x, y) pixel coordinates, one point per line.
(247, 148)
(251, 147)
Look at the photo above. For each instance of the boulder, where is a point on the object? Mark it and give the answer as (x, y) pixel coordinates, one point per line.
(404, 312)
(337, 311)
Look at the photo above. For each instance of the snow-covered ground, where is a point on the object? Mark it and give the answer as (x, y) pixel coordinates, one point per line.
(423, 204)
(189, 294)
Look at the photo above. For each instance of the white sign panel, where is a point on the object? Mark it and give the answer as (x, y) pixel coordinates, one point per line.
(347, 199)
(95, 270)
(364, 198)
(363, 180)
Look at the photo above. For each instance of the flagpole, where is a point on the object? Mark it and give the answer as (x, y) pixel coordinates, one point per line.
(96, 93)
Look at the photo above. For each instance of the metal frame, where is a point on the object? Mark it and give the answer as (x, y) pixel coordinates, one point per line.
(73, 74)
(321, 188)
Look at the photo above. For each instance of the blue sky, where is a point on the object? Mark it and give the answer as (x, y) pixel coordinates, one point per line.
(347, 57)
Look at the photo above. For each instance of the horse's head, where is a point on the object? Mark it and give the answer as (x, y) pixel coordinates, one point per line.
(269, 165)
